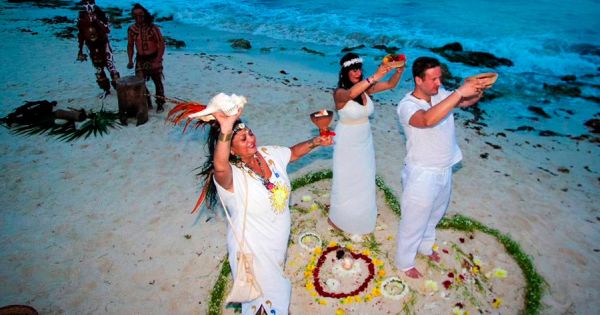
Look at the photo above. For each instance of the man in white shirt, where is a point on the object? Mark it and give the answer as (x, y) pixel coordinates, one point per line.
(428, 122)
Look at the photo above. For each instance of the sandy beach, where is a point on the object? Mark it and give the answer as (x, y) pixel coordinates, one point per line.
(103, 226)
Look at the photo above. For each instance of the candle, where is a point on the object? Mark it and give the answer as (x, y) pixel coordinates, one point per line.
(347, 263)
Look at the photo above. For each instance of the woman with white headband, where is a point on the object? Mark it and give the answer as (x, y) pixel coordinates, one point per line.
(353, 207)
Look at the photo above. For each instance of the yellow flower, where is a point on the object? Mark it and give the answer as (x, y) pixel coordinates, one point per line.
(381, 273)
(459, 311)
(323, 302)
(279, 197)
(339, 311)
(366, 252)
(500, 273)
(376, 292)
(314, 207)
(310, 286)
(389, 238)
(350, 247)
(318, 251)
(332, 244)
(475, 269)
(497, 302)
(313, 293)
(368, 297)
(357, 299)
(431, 285)
(310, 267)
(477, 261)
(307, 274)
(435, 247)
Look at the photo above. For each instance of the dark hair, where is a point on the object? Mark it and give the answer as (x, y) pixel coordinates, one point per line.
(207, 169)
(344, 81)
(422, 64)
(148, 18)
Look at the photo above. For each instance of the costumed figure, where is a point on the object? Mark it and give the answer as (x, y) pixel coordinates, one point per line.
(145, 37)
(92, 25)
(353, 198)
(253, 184)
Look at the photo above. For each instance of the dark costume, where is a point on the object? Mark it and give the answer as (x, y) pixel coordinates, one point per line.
(93, 31)
(149, 66)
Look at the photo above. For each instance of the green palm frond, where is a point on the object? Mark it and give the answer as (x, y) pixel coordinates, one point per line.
(97, 124)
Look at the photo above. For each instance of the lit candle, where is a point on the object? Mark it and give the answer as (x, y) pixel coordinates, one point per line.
(347, 262)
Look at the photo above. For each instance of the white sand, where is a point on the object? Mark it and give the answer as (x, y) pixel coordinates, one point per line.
(98, 225)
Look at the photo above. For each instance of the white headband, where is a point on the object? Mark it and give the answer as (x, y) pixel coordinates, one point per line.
(351, 62)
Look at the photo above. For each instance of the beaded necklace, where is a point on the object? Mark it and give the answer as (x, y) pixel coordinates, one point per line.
(262, 176)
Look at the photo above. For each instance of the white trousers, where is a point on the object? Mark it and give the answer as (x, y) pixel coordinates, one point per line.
(425, 197)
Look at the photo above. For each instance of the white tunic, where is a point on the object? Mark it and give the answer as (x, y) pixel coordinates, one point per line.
(267, 231)
(353, 204)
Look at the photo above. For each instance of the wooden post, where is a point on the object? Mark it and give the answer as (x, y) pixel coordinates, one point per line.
(133, 101)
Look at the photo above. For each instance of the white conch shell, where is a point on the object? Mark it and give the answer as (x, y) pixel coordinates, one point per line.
(229, 105)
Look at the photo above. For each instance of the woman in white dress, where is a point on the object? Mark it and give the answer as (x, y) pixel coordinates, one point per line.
(353, 204)
(236, 165)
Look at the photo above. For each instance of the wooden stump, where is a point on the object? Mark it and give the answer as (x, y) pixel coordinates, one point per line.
(133, 101)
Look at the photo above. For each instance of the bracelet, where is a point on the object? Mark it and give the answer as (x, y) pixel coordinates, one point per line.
(369, 80)
(225, 137)
(312, 144)
(458, 92)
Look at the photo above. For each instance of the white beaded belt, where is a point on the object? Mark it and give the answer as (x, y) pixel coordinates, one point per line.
(354, 121)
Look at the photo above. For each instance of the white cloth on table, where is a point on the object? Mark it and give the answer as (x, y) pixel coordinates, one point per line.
(267, 232)
(426, 178)
(353, 194)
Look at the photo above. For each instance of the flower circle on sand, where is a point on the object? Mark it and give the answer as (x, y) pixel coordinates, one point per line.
(329, 274)
(394, 288)
(309, 241)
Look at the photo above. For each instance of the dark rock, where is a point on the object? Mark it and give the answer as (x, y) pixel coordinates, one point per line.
(593, 124)
(489, 95)
(594, 99)
(569, 78)
(312, 51)
(454, 53)
(283, 72)
(450, 82)
(563, 89)
(587, 49)
(448, 47)
(164, 18)
(172, 42)
(67, 33)
(240, 43)
(525, 128)
(484, 155)
(57, 20)
(495, 146)
(347, 49)
(539, 111)
(500, 134)
(549, 133)
(389, 50)
(564, 170)
(45, 3)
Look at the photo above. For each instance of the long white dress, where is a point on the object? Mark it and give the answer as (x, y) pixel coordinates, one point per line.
(353, 204)
(267, 229)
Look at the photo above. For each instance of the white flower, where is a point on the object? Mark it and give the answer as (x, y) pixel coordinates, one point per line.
(394, 288)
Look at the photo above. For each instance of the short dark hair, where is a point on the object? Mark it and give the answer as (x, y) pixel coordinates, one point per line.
(422, 64)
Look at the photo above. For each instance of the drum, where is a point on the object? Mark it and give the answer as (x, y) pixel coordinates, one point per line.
(133, 99)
